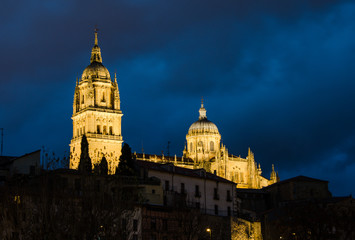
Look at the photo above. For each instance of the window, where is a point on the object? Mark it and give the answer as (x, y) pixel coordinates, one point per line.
(82, 99)
(98, 129)
(191, 146)
(229, 198)
(197, 191)
(229, 211)
(182, 188)
(200, 144)
(135, 225)
(111, 130)
(103, 98)
(198, 206)
(211, 146)
(216, 209)
(166, 185)
(215, 194)
(104, 130)
(153, 191)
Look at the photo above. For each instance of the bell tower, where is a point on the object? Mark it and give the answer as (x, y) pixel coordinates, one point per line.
(97, 114)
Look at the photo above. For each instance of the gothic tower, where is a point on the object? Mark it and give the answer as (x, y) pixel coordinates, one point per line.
(97, 114)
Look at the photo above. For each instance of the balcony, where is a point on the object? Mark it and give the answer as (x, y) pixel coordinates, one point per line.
(101, 136)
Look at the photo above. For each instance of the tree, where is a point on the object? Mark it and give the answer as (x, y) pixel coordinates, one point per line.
(103, 167)
(127, 163)
(85, 165)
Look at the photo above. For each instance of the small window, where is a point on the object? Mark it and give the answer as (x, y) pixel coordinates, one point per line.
(82, 100)
(104, 130)
(182, 188)
(98, 129)
(153, 191)
(103, 98)
(111, 130)
(167, 185)
(198, 206)
(216, 209)
(229, 211)
(200, 144)
(191, 147)
(197, 191)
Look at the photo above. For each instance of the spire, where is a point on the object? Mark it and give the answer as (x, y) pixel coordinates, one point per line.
(96, 41)
(96, 51)
(202, 111)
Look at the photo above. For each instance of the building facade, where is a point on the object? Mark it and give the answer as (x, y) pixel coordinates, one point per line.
(97, 114)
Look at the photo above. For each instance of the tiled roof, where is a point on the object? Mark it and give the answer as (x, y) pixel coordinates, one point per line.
(169, 167)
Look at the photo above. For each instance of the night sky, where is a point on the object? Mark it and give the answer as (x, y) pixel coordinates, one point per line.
(277, 76)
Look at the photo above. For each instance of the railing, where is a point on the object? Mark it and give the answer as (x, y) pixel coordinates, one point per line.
(101, 136)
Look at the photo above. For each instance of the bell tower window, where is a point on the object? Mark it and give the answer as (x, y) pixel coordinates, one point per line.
(98, 129)
(103, 98)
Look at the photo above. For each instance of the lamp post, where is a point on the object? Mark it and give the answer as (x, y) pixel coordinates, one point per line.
(210, 232)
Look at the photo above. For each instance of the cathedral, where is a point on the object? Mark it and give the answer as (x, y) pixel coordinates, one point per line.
(97, 114)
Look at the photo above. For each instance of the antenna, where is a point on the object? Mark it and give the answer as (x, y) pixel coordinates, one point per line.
(2, 140)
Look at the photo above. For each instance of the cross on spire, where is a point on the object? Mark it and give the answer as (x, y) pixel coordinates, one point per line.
(96, 30)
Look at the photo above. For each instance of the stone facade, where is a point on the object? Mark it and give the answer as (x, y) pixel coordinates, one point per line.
(97, 114)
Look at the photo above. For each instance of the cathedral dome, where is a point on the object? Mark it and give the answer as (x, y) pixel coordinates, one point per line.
(203, 125)
(96, 70)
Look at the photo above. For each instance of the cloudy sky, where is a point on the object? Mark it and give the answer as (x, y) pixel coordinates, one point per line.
(277, 76)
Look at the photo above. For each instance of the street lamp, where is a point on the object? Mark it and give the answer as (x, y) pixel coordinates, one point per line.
(210, 232)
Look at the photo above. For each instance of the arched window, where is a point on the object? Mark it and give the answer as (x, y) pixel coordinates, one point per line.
(200, 143)
(191, 146)
(211, 146)
(103, 98)
(104, 130)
